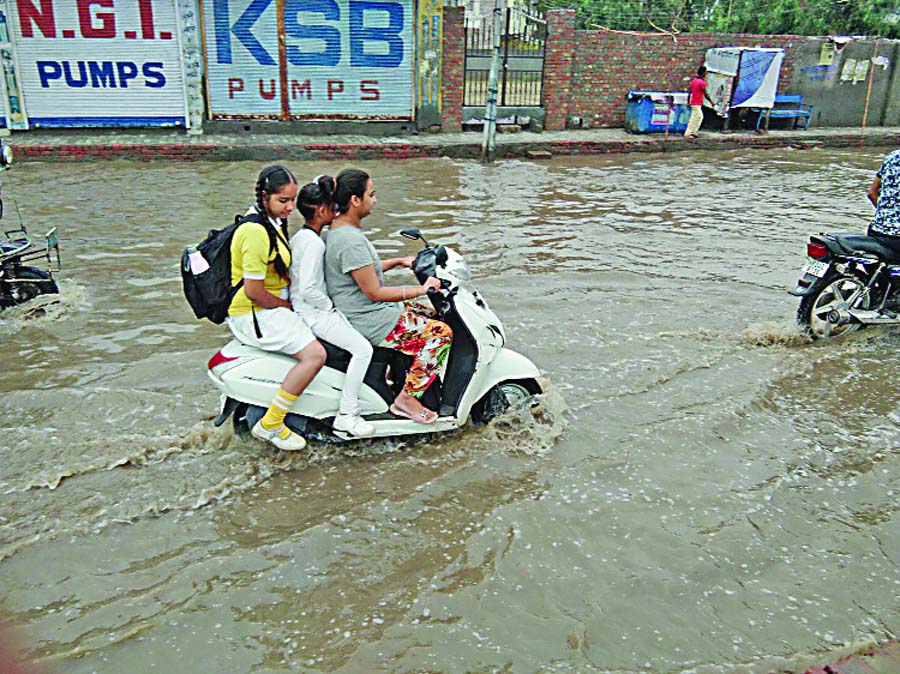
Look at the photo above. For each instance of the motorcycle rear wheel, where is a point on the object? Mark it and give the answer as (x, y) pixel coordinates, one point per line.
(39, 283)
(827, 294)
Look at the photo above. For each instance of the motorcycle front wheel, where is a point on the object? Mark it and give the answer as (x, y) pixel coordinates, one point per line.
(832, 291)
(37, 282)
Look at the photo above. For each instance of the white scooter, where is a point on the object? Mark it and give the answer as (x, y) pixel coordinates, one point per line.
(482, 378)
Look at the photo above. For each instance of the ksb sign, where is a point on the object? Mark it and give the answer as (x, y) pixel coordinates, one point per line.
(98, 62)
(347, 58)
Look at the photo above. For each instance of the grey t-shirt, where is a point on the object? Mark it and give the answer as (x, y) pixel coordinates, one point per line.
(346, 249)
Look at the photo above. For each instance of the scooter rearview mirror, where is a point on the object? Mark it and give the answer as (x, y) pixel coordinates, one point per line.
(413, 233)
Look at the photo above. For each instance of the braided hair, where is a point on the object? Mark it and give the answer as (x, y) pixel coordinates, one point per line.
(312, 195)
(270, 181)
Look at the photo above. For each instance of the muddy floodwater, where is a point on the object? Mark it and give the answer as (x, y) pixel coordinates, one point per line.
(700, 490)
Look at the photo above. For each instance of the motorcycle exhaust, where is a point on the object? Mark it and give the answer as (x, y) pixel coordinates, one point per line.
(844, 316)
(871, 317)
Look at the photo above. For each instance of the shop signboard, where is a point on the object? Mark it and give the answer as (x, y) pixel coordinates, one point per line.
(98, 62)
(285, 59)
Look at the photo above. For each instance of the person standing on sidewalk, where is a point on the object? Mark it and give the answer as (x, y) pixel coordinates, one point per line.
(698, 93)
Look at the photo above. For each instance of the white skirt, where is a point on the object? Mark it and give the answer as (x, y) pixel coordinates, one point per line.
(282, 330)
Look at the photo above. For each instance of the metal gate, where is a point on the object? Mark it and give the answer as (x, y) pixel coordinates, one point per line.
(522, 65)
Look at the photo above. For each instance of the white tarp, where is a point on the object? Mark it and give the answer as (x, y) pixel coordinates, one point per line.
(743, 77)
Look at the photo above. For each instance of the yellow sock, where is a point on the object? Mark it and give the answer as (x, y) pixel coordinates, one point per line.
(274, 416)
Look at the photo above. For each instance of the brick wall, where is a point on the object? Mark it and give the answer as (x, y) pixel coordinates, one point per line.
(452, 68)
(589, 72)
(560, 63)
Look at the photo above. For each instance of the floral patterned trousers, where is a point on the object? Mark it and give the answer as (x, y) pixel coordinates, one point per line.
(427, 339)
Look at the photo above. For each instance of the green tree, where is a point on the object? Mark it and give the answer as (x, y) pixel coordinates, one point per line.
(799, 17)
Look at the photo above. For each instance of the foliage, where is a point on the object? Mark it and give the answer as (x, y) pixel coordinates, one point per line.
(798, 17)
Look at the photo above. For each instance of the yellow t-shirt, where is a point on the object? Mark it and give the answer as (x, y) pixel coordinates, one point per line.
(250, 260)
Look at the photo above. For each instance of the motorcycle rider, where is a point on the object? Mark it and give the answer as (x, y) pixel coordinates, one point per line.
(884, 193)
(260, 314)
(353, 274)
(310, 300)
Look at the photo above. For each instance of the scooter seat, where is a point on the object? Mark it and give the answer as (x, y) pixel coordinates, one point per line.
(376, 376)
(859, 243)
(339, 358)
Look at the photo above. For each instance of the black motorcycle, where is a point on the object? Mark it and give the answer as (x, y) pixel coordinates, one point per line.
(19, 280)
(849, 281)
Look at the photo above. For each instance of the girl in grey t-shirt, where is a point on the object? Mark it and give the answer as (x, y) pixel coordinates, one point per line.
(355, 281)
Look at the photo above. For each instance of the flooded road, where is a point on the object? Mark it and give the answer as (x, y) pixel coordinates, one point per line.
(701, 490)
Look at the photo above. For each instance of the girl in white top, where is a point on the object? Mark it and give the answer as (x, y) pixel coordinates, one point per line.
(310, 300)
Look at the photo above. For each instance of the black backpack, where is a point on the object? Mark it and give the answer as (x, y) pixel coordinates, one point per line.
(210, 292)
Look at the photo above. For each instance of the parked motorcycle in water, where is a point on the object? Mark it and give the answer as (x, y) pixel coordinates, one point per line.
(849, 281)
(482, 378)
(20, 281)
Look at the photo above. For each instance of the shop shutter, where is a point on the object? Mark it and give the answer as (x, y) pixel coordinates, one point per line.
(89, 64)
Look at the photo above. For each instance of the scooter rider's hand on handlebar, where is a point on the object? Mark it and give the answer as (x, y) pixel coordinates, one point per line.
(431, 283)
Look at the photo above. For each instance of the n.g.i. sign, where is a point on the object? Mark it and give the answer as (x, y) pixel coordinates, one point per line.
(98, 62)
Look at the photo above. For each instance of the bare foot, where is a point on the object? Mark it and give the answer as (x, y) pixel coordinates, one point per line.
(407, 406)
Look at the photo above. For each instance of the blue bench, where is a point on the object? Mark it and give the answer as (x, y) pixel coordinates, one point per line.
(794, 110)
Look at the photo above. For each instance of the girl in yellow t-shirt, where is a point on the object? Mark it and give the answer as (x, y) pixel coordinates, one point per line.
(260, 314)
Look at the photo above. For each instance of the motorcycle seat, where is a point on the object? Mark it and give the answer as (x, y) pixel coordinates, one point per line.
(858, 243)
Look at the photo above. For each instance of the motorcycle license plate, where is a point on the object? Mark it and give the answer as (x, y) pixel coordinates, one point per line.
(816, 267)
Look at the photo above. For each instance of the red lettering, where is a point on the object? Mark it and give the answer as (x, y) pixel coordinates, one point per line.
(268, 95)
(235, 84)
(42, 18)
(369, 90)
(335, 87)
(298, 89)
(107, 26)
(146, 7)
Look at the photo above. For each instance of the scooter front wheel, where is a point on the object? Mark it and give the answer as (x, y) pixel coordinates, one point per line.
(503, 396)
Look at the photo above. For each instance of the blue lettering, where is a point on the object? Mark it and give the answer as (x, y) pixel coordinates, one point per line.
(71, 81)
(222, 24)
(127, 71)
(241, 30)
(101, 74)
(153, 74)
(330, 35)
(360, 35)
(48, 70)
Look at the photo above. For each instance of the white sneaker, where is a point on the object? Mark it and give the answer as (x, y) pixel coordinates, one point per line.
(292, 443)
(352, 424)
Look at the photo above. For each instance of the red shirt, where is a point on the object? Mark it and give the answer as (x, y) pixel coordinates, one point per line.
(698, 88)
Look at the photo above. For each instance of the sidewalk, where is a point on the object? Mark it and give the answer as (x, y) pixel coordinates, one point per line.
(175, 144)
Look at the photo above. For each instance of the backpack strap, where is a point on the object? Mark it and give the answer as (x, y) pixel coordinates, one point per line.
(260, 220)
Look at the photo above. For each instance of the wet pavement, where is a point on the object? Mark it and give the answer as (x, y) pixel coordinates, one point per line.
(254, 144)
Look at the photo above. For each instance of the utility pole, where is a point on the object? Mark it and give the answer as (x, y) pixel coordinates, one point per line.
(489, 141)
